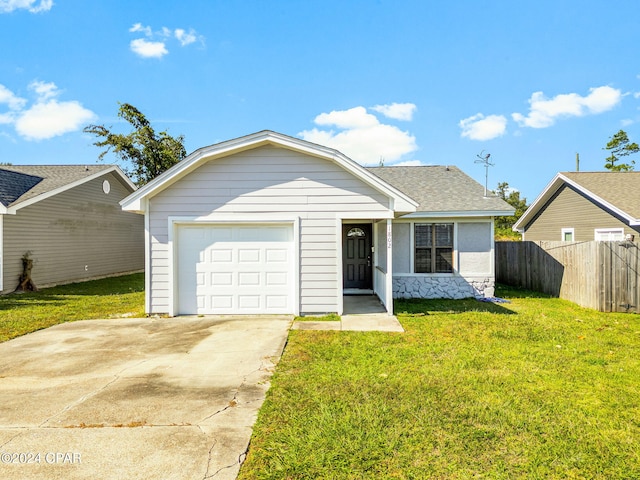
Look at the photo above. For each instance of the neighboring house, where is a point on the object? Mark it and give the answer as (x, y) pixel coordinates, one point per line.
(68, 218)
(584, 206)
(268, 223)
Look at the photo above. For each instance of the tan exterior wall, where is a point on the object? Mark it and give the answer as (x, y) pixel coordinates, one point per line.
(77, 234)
(569, 209)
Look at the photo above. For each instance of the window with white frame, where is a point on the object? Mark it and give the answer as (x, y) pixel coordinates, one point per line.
(433, 252)
(567, 235)
(609, 234)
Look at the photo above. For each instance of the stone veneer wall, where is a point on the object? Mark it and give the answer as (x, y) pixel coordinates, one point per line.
(453, 287)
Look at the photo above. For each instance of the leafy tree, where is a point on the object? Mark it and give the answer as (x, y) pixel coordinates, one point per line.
(503, 224)
(148, 153)
(620, 146)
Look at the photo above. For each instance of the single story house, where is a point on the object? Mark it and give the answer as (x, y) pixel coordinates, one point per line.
(584, 206)
(268, 223)
(68, 219)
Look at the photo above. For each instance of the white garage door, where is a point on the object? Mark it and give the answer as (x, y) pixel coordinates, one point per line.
(235, 269)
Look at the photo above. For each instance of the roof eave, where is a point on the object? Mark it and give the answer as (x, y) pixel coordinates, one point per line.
(13, 208)
(460, 214)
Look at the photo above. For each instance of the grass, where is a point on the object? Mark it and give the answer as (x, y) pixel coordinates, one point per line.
(537, 388)
(107, 298)
(330, 317)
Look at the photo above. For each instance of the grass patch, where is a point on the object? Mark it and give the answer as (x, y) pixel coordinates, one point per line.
(330, 317)
(106, 298)
(537, 388)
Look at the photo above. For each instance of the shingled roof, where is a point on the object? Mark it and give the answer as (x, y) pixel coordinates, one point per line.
(15, 184)
(19, 183)
(442, 189)
(621, 189)
(615, 191)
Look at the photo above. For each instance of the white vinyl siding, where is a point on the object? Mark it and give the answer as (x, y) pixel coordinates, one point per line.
(268, 181)
(77, 234)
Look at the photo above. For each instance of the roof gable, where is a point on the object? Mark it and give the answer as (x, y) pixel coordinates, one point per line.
(38, 182)
(446, 190)
(618, 192)
(137, 201)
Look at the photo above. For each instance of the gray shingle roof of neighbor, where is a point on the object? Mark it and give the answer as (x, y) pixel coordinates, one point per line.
(442, 189)
(22, 182)
(620, 189)
(15, 184)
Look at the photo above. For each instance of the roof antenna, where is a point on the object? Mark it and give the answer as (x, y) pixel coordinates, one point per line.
(484, 159)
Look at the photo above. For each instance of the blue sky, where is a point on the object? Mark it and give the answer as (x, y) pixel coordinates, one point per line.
(412, 82)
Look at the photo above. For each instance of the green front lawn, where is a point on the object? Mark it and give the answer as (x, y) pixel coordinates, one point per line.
(538, 388)
(22, 313)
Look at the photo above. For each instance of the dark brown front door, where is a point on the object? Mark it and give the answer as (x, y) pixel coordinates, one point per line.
(356, 256)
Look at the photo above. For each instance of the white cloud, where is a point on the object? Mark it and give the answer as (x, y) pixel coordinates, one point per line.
(147, 49)
(185, 38)
(156, 45)
(33, 6)
(52, 118)
(479, 127)
(543, 111)
(397, 111)
(138, 27)
(47, 117)
(8, 98)
(362, 137)
(44, 90)
(353, 118)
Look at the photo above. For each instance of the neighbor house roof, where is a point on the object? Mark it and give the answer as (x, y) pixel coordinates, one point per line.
(443, 190)
(22, 185)
(618, 192)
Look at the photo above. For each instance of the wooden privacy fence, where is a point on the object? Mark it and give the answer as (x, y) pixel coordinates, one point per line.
(598, 275)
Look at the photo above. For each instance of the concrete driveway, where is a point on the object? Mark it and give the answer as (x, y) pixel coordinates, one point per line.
(164, 398)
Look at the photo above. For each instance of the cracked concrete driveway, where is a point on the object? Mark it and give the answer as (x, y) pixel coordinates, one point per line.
(157, 398)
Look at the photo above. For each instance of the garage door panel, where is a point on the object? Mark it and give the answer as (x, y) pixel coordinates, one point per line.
(232, 270)
(221, 301)
(276, 301)
(221, 255)
(276, 255)
(222, 279)
(248, 255)
(249, 301)
(276, 278)
(248, 279)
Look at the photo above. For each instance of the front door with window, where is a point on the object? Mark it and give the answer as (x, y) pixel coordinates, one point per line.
(356, 257)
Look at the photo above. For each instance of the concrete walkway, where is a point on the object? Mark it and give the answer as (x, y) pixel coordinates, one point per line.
(362, 313)
(168, 398)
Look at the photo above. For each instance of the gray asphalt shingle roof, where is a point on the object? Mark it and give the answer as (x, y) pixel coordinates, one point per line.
(441, 189)
(19, 183)
(620, 189)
